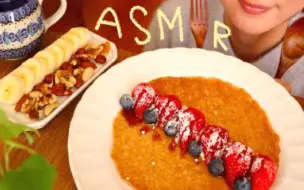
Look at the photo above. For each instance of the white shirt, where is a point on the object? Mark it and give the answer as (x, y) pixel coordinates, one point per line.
(268, 63)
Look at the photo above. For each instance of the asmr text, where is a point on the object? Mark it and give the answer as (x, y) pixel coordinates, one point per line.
(217, 37)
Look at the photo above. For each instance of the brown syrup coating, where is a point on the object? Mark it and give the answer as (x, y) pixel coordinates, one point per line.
(150, 164)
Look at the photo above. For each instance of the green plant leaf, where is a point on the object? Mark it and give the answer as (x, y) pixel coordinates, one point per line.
(17, 145)
(29, 138)
(34, 174)
(7, 151)
(9, 129)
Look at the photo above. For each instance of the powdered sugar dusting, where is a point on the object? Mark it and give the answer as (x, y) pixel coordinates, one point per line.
(243, 153)
(184, 120)
(256, 164)
(235, 148)
(214, 140)
(146, 97)
(169, 111)
(185, 135)
(160, 103)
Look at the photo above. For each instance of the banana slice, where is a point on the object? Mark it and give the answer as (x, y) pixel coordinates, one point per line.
(73, 39)
(39, 69)
(57, 53)
(82, 33)
(11, 89)
(66, 48)
(48, 59)
(28, 77)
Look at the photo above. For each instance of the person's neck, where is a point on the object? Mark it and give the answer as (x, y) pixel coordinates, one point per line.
(250, 47)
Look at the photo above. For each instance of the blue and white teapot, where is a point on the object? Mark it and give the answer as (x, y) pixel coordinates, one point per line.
(22, 26)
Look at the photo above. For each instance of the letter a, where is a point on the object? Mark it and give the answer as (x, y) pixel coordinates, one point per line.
(109, 23)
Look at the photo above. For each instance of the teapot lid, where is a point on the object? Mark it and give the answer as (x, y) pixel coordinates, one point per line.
(9, 5)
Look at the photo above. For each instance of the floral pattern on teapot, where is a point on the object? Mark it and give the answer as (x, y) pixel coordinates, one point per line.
(22, 34)
(21, 30)
(20, 13)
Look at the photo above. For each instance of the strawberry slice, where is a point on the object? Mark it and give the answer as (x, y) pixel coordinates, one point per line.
(214, 140)
(167, 107)
(263, 172)
(161, 101)
(139, 89)
(237, 159)
(143, 95)
(190, 121)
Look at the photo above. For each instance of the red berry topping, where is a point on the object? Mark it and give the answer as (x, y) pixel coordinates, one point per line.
(189, 123)
(237, 158)
(143, 95)
(263, 172)
(167, 107)
(139, 89)
(214, 140)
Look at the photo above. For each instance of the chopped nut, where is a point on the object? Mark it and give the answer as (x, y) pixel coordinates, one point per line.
(58, 89)
(35, 94)
(83, 57)
(49, 78)
(64, 65)
(75, 62)
(50, 108)
(49, 99)
(87, 74)
(42, 87)
(81, 51)
(39, 105)
(57, 76)
(100, 59)
(106, 48)
(46, 88)
(78, 71)
(38, 87)
(68, 82)
(27, 106)
(21, 102)
(79, 81)
(65, 77)
(70, 69)
(87, 64)
(34, 115)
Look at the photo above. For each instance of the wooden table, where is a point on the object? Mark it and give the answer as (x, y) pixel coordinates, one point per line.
(52, 143)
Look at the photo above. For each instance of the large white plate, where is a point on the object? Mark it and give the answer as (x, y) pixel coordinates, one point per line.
(90, 136)
(64, 101)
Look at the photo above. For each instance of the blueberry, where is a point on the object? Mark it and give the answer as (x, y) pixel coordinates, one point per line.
(216, 167)
(171, 129)
(242, 183)
(195, 149)
(126, 102)
(150, 115)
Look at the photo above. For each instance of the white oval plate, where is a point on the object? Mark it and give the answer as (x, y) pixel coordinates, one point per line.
(90, 136)
(64, 101)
